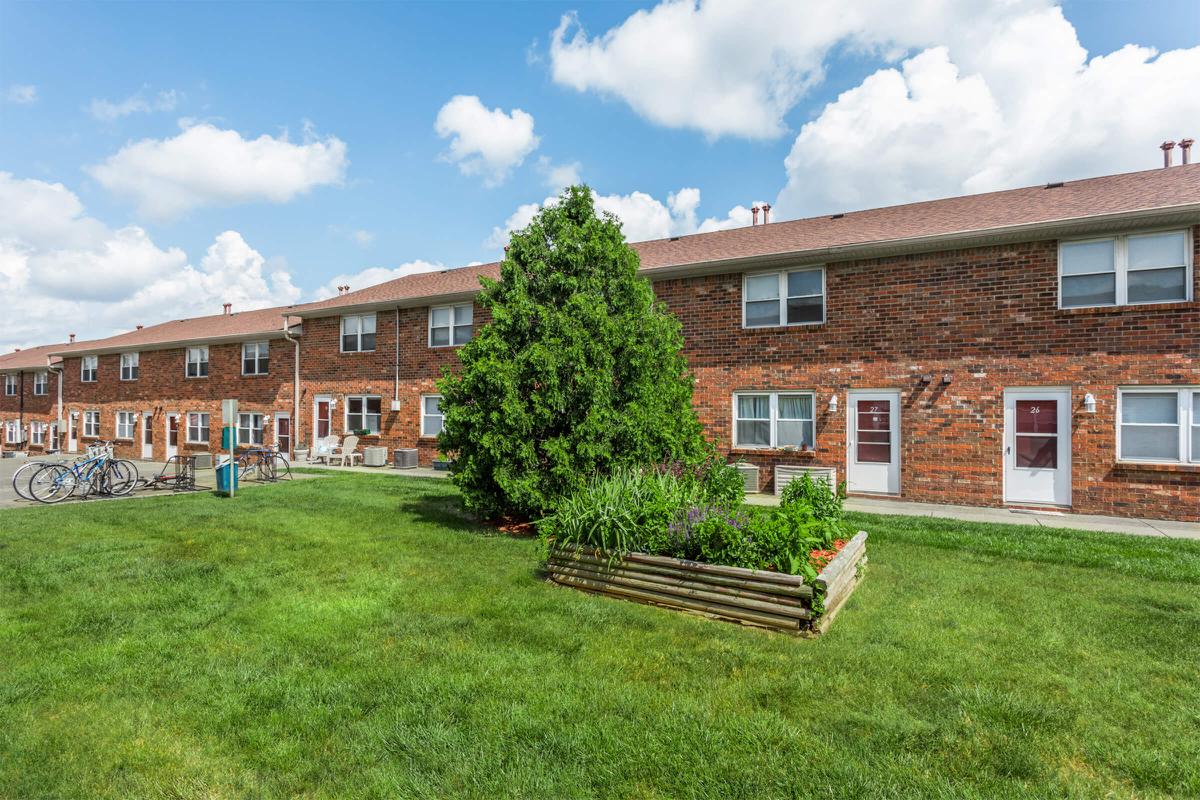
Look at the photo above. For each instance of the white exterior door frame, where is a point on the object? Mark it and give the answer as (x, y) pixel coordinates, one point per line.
(147, 435)
(283, 416)
(328, 400)
(72, 432)
(873, 464)
(171, 449)
(1037, 446)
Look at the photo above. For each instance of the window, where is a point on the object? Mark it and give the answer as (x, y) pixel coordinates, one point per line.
(358, 333)
(250, 429)
(125, 423)
(1125, 270)
(129, 366)
(431, 415)
(197, 428)
(37, 433)
(362, 413)
(255, 357)
(773, 419)
(87, 369)
(1159, 424)
(450, 325)
(91, 423)
(12, 432)
(41, 383)
(197, 362)
(783, 298)
(11, 382)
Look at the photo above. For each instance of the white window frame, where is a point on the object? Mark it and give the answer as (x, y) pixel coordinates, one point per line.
(41, 383)
(1186, 421)
(130, 366)
(201, 354)
(251, 423)
(37, 433)
(91, 424)
(454, 323)
(261, 357)
(12, 384)
(364, 398)
(1121, 267)
(358, 334)
(132, 425)
(773, 417)
(89, 369)
(783, 297)
(441, 415)
(203, 421)
(12, 432)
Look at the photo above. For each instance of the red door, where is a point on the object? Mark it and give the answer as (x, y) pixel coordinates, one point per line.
(322, 418)
(173, 430)
(283, 434)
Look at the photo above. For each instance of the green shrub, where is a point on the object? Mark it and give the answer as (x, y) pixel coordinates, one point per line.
(824, 500)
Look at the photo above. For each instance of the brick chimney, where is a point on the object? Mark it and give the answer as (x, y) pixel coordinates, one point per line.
(1167, 147)
(1185, 149)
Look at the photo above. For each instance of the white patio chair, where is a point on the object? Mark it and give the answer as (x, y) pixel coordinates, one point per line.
(345, 452)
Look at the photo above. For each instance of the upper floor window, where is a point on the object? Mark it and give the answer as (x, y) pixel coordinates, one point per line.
(197, 362)
(125, 423)
(87, 368)
(795, 297)
(450, 325)
(250, 429)
(363, 414)
(41, 382)
(129, 366)
(1159, 424)
(11, 382)
(358, 333)
(1126, 270)
(773, 419)
(197, 428)
(431, 415)
(255, 358)
(91, 423)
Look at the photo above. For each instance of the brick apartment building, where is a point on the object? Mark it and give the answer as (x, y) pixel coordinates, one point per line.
(29, 388)
(1031, 347)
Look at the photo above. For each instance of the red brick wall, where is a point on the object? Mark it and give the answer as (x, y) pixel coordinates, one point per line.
(325, 370)
(27, 407)
(162, 389)
(986, 316)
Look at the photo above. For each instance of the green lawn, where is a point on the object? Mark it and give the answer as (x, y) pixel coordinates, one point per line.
(356, 636)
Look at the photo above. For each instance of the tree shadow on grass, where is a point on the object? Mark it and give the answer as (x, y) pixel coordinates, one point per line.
(438, 508)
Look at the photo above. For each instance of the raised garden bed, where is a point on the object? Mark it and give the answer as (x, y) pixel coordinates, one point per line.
(760, 598)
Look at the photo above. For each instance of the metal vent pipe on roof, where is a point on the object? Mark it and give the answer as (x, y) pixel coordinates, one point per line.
(766, 213)
(227, 307)
(1185, 149)
(754, 212)
(71, 338)
(1167, 147)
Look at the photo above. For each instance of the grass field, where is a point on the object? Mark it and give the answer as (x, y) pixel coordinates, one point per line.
(356, 636)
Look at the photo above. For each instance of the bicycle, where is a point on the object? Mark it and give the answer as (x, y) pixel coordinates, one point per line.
(21, 478)
(267, 462)
(101, 475)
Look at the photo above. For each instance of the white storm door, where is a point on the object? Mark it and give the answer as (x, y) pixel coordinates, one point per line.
(1037, 446)
(873, 442)
(147, 435)
(172, 435)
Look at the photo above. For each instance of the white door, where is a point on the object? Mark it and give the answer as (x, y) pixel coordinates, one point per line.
(172, 435)
(1037, 446)
(322, 417)
(873, 442)
(283, 433)
(147, 435)
(72, 433)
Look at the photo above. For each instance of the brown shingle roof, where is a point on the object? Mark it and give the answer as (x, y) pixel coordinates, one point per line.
(32, 357)
(962, 216)
(261, 322)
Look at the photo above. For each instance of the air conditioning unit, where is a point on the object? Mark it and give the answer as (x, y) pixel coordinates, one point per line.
(404, 458)
(749, 474)
(785, 474)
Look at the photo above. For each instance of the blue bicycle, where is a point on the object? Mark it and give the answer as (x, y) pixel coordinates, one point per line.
(100, 474)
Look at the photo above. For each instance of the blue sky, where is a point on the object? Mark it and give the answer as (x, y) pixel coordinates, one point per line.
(690, 98)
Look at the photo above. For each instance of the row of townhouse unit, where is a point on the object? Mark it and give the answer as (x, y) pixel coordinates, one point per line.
(1033, 347)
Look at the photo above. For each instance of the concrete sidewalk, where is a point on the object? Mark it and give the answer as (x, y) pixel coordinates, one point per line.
(872, 505)
(1009, 516)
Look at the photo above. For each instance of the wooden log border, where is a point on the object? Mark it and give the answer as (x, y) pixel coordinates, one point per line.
(751, 597)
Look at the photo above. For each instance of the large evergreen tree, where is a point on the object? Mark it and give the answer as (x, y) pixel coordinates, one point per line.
(579, 371)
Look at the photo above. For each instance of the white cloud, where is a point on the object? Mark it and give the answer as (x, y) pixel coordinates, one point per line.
(482, 142)
(1024, 106)
(107, 111)
(559, 176)
(205, 165)
(374, 275)
(22, 94)
(74, 274)
(359, 236)
(642, 216)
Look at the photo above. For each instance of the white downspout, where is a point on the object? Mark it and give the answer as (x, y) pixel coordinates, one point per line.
(396, 387)
(58, 422)
(295, 386)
